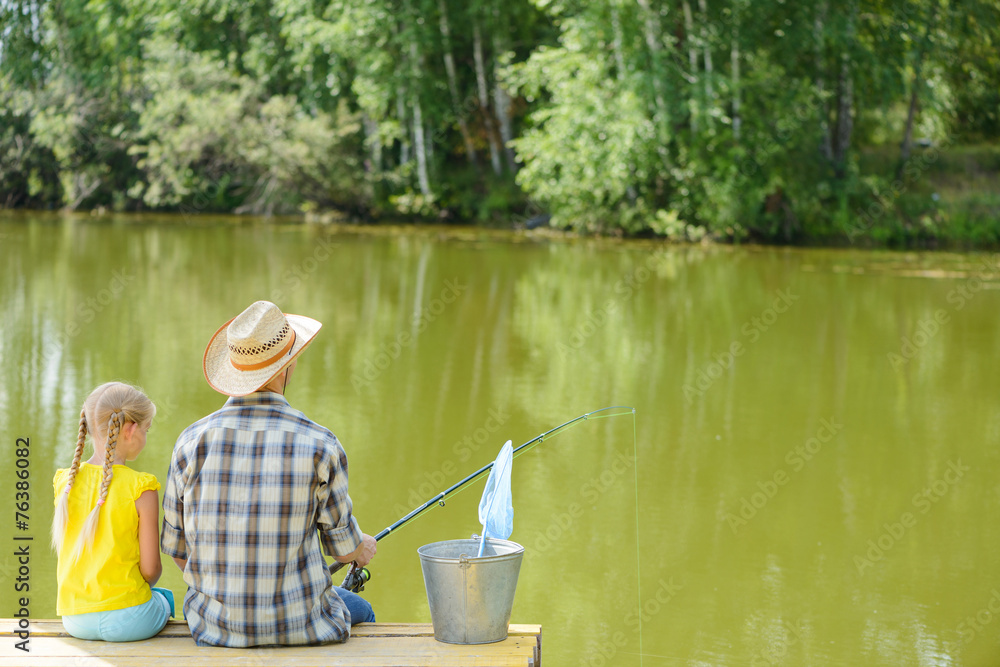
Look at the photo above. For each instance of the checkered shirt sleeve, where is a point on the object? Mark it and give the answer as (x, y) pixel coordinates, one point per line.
(254, 492)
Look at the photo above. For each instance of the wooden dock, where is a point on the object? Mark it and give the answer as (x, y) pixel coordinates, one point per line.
(370, 645)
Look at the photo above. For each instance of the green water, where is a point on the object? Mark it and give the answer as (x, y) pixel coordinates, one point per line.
(802, 497)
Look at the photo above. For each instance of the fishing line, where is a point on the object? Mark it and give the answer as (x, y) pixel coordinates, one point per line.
(454, 490)
(554, 432)
(638, 571)
(358, 576)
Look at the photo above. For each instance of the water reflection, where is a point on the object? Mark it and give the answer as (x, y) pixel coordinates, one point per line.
(429, 334)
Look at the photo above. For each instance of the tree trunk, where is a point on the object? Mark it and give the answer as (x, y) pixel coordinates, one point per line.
(616, 28)
(734, 59)
(484, 98)
(845, 119)
(907, 144)
(418, 124)
(418, 139)
(404, 140)
(617, 46)
(81, 190)
(501, 103)
(845, 98)
(826, 141)
(651, 30)
(429, 141)
(449, 66)
(374, 144)
(707, 48)
(693, 64)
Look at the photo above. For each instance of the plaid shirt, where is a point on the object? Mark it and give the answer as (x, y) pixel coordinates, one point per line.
(247, 489)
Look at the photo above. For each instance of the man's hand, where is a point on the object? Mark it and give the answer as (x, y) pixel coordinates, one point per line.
(363, 554)
(366, 551)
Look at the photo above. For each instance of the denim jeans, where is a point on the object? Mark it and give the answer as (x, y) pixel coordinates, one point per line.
(124, 625)
(361, 610)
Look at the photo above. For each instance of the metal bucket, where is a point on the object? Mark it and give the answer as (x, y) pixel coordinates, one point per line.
(470, 598)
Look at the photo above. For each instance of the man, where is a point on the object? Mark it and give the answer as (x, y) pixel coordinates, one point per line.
(252, 491)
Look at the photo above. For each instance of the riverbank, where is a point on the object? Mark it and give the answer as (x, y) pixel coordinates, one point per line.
(944, 198)
(948, 197)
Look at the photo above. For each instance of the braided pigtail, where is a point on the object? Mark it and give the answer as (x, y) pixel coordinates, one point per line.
(89, 530)
(61, 516)
(60, 519)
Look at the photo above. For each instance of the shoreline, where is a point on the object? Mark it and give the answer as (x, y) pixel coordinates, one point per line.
(470, 230)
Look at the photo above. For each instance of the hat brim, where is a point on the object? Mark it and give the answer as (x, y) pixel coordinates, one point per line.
(226, 379)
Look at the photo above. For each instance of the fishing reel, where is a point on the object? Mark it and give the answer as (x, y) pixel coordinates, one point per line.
(356, 579)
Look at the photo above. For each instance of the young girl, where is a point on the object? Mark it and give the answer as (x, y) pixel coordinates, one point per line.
(105, 528)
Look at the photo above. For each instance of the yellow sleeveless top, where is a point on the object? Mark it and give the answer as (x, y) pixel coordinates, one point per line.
(106, 576)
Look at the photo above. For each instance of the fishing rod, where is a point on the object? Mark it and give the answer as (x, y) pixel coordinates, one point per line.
(355, 581)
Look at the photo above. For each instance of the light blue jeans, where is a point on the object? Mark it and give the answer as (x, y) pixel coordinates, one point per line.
(124, 625)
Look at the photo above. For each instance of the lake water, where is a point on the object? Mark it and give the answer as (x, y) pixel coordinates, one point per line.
(811, 477)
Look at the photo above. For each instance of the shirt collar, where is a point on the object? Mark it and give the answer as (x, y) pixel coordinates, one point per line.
(258, 398)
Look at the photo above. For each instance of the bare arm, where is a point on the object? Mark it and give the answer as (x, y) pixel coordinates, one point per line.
(148, 508)
(363, 554)
(181, 563)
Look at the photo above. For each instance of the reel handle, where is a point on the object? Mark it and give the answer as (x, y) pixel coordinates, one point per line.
(356, 579)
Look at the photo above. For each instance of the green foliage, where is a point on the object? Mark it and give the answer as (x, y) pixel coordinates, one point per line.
(27, 169)
(790, 173)
(770, 121)
(210, 140)
(89, 138)
(588, 146)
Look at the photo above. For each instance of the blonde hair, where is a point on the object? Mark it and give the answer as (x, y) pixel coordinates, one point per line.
(105, 412)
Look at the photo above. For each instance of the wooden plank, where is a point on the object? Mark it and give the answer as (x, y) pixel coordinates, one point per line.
(427, 630)
(256, 657)
(54, 628)
(422, 646)
(250, 661)
(371, 645)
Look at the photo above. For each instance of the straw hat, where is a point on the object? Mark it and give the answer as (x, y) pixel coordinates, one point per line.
(253, 347)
